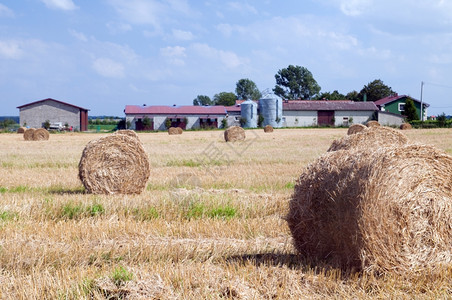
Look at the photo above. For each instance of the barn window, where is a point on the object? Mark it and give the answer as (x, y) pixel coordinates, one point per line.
(401, 106)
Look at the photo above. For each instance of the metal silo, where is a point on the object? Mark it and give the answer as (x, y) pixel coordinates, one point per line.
(248, 111)
(270, 108)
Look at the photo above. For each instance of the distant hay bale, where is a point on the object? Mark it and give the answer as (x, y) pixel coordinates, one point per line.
(21, 129)
(115, 164)
(268, 128)
(405, 126)
(127, 132)
(234, 133)
(372, 124)
(179, 130)
(387, 210)
(174, 130)
(40, 134)
(28, 134)
(355, 128)
(372, 137)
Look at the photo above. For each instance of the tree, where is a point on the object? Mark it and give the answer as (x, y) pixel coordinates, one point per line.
(410, 110)
(335, 95)
(295, 82)
(353, 95)
(224, 98)
(147, 123)
(442, 119)
(202, 100)
(247, 89)
(375, 90)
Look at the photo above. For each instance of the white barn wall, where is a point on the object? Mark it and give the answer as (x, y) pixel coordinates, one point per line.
(359, 117)
(294, 118)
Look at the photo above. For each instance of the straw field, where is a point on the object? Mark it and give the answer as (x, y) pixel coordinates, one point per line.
(209, 224)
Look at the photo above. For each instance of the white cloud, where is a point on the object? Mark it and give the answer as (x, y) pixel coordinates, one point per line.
(242, 8)
(354, 7)
(139, 11)
(108, 68)
(11, 49)
(60, 4)
(174, 55)
(182, 35)
(229, 59)
(5, 11)
(116, 28)
(78, 35)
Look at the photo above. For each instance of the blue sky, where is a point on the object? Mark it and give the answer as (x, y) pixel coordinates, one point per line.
(105, 54)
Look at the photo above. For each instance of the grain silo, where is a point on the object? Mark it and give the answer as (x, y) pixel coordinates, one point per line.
(271, 109)
(248, 110)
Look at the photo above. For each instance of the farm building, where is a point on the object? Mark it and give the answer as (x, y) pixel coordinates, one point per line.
(35, 114)
(186, 117)
(302, 113)
(396, 104)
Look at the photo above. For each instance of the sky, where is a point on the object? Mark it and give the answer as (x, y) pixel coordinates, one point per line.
(105, 54)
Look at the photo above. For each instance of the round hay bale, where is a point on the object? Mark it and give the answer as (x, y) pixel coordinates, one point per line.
(28, 134)
(406, 126)
(387, 210)
(234, 133)
(115, 164)
(372, 124)
(127, 132)
(40, 134)
(173, 130)
(268, 128)
(355, 128)
(21, 129)
(179, 130)
(369, 138)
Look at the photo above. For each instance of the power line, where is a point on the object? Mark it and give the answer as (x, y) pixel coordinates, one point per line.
(438, 84)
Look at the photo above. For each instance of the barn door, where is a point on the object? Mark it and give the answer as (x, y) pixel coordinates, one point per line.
(325, 117)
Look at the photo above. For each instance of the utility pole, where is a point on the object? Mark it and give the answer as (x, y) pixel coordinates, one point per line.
(422, 105)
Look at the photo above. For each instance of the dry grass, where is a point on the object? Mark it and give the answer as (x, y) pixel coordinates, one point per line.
(209, 225)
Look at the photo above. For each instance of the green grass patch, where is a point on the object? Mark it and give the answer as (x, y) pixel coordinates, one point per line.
(16, 189)
(198, 210)
(72, 210)
(225, 212)
(121, 275)
(8, 216)
(146, 214)
(290, 185)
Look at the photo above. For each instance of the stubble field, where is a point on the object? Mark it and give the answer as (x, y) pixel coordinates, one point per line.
(208, 226)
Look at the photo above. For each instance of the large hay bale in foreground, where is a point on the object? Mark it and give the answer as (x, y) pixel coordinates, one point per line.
(268, 128)
(28, 134)
(406, 126)
(40, 134)
(370, 138)
(115, 164)
(372, 124)
(355, 128)
(21, 129)
(179, 130)
(388, 210)
(234, 133)
(173, 131)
